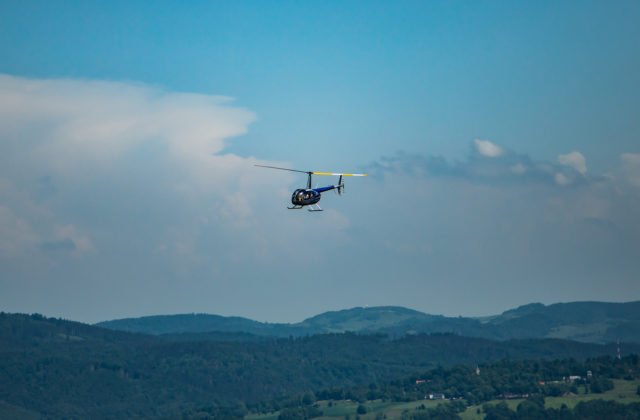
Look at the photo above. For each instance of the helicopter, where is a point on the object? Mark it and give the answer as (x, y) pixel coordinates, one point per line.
(310, 196)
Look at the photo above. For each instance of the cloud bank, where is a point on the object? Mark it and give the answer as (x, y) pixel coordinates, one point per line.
(489, 163)
(506, 228)
(62, 137)
(118, 199)
(124, 189)
(631, 168)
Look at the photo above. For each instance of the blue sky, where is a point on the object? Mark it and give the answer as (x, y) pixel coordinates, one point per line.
(503, 139)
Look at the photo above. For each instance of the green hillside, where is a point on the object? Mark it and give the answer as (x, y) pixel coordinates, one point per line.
(581, 321)
(590, 322)
(193, 323)
(58, 368)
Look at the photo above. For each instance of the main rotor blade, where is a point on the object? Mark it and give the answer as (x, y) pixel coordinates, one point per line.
(311, 172)
(284, 169)
(337, 174)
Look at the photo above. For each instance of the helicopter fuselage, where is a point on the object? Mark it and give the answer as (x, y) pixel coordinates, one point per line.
(309, 196)
(305, 197)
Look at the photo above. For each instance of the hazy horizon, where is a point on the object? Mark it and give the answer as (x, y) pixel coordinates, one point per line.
(294, 321)
(347, 309)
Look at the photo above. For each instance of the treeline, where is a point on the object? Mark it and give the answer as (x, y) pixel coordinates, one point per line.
(57, 368)
(504, 379)
(533, 408)
(479, 384)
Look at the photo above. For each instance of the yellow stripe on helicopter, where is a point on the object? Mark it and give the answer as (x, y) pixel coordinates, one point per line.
(337, 174)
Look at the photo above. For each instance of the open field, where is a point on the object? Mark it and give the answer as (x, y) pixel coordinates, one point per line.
(340, 409)
(623, 392)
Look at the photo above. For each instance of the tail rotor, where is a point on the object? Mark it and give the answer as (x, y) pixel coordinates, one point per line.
(340, 186)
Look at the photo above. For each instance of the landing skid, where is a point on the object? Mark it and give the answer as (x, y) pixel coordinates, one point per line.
(312, 207)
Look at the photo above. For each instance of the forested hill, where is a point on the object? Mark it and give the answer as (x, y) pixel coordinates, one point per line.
(593, 322)
(195, 323)
(56, 368)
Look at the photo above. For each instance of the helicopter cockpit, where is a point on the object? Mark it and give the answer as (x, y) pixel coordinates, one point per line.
(301, 197)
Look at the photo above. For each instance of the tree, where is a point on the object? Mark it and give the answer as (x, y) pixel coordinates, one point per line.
(529, 409)
(361, 409)
(308, 398)
(499, 411)
(601, 385)
(293, 414)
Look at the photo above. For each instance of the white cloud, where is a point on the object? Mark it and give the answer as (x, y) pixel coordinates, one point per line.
(518, 168)
(487, 148)
(80, 241)
(575, 160)
(16, 234)
(71, 127)
(561, 179)
(631, 167)
(511, 168)
(518, 237)
(126, 185)
(126, 152)
(89, 169)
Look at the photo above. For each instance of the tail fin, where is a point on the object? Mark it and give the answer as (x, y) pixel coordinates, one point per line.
(340, 187)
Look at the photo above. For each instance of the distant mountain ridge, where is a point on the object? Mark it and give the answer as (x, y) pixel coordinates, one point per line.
(592, 322)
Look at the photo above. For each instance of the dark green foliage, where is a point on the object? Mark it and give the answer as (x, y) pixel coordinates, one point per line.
(600, 385)
(299, 413)
(449, 411)
(56, 368)
(531, 408)
(587, 410)
(197, 323)
(602, 409)
(532, 379)
(499, 411)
